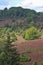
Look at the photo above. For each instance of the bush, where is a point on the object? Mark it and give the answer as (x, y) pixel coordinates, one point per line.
(24, 58)
(31, 33)
(9, 55)
(35, 63)
(13, 37)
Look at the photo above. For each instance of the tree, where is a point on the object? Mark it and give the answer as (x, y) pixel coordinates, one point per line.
(9, 55)
(13, 36)
(5, 13)
(32, 24)
(31, 33)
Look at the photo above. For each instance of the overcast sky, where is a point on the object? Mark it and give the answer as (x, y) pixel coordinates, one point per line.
(31, 4)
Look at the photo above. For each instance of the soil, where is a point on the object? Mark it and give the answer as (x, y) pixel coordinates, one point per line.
(36, 56)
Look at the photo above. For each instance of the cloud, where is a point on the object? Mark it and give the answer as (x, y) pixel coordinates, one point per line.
(34, 3)
(14, 2)
(39, 9)
(31, 4)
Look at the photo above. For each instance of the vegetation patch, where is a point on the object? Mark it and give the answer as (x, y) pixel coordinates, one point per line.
(35, 63)
(41, 63)
(24, 58)
(32, 33)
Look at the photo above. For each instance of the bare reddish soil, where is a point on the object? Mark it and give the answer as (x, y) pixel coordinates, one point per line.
(9, 21)
(2, 23)
(19, 20)
(33, 45)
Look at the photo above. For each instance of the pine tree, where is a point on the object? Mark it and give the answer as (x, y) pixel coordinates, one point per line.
(9, 55)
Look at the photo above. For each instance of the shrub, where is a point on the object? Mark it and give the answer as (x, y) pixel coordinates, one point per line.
(35, 63)
(31, 33)
(9, 55)
(24, 58)
(13, 36)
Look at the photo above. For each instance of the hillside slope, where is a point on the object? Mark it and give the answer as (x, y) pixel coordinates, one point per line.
(20, 16)
(33, 49)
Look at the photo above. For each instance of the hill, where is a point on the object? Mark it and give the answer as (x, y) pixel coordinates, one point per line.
(32, 48)
(23, 28)
(20, 17)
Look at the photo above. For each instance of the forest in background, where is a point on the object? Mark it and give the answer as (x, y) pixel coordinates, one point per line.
(21, 17)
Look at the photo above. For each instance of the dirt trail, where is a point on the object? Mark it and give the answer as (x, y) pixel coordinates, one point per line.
(23, 45)
(35, 45)
(20, 39)
(32, 44)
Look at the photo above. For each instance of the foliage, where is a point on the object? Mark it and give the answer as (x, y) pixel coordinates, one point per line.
(18, 12)
(24, 58)
(9, 55)
(3, 36)
(31, 33)
(13, 36)
(35, 63)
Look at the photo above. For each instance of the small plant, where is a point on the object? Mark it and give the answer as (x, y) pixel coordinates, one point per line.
(35, 63)
(9, 55)
(32, 33)
(24, 58)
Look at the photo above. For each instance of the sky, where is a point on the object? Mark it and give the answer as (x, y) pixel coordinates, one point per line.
(30, 4)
